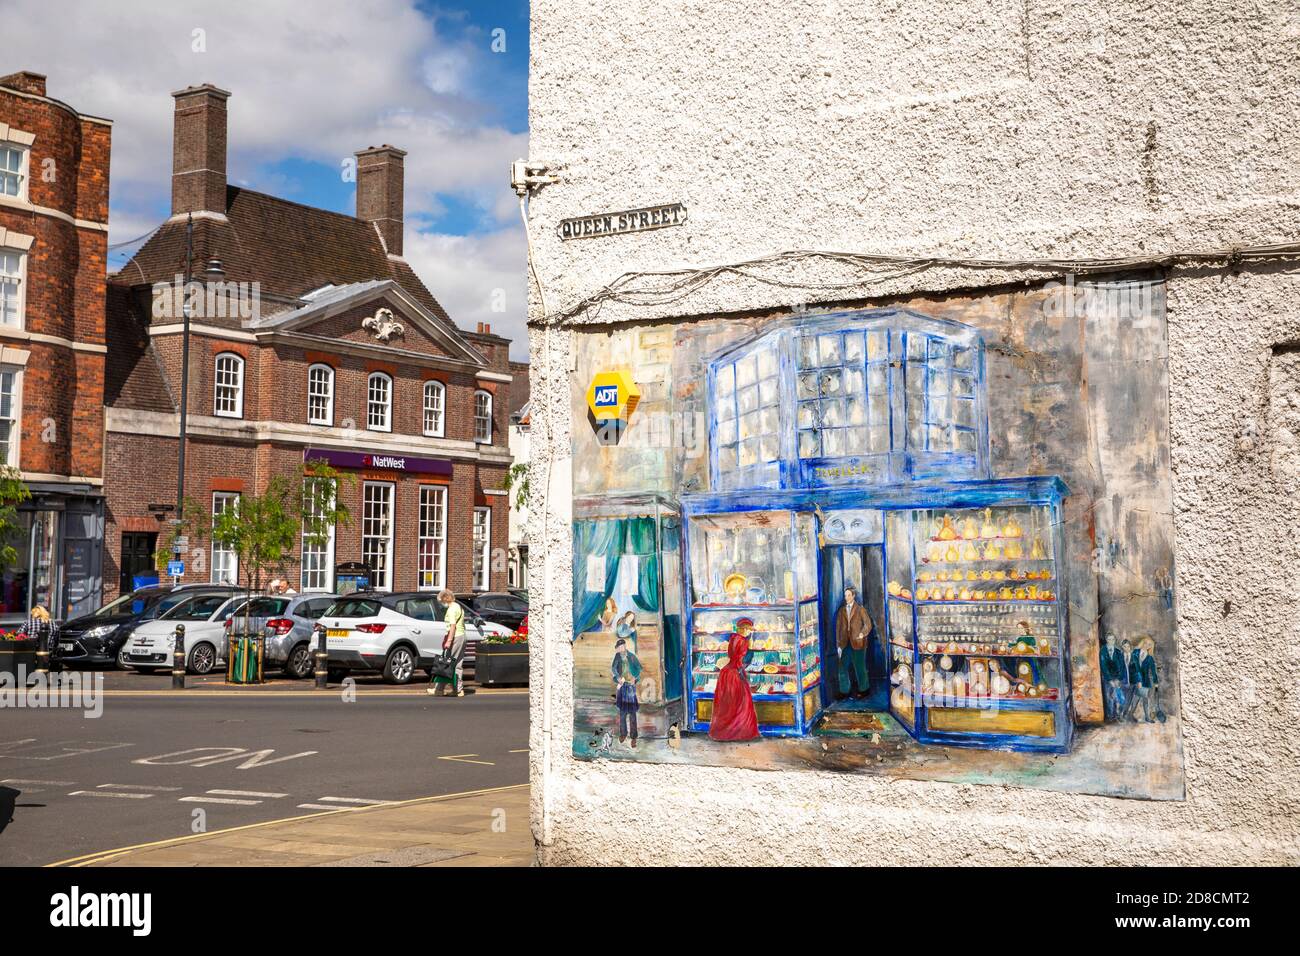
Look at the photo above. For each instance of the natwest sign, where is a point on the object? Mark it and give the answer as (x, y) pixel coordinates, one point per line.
(384, 462)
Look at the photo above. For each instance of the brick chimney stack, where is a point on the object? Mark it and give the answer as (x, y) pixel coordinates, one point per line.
(199, 150)
(379, 192)
(25, 81)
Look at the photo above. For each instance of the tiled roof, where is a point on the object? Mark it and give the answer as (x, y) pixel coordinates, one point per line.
(287, 248)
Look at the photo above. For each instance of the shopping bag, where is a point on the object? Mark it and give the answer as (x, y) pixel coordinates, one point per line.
(443, 667)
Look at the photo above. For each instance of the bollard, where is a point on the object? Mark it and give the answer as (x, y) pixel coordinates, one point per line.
(178, 659)
(322, 661)
(43, 631)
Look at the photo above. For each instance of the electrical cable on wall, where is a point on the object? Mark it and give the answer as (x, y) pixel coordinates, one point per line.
(672, 285)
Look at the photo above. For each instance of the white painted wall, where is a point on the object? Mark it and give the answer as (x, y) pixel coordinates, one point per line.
(990, 128)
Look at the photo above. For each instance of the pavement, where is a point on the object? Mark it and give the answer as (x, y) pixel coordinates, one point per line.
(478, 828)
(147, 765)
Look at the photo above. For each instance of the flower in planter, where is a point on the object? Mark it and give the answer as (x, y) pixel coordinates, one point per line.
(519, 636)
(14, 636)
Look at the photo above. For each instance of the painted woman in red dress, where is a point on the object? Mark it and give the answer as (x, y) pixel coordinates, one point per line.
(733, 703)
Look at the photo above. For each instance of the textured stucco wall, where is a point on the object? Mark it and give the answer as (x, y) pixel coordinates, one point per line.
(993, 129)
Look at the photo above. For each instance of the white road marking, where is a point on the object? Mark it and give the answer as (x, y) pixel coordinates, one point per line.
(524, 751)
(134, 786)
(460, 758)
(358, 800)
(247, 793)
(43, 783)
(205, 799)
(110, 793)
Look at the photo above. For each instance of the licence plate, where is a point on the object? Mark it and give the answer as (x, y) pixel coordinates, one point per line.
(65, 647)
(338, 632)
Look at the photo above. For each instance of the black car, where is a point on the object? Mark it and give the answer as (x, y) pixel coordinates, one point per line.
(499, 607)
(97, 638)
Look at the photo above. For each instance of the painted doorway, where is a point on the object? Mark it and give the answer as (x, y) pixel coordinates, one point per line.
(861, 567)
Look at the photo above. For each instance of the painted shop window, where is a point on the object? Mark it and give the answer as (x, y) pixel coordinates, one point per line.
(748, 422)
(11, 391)
(228, 386)
(379, 403)
(941, 409)
(482, 545)
(12, 267)
(432, 550)
(13, 171)
(434, 401)
(483, 417)
(225, 562)
(843, 393)
(377, 533)
(320, 395)
(317, 556)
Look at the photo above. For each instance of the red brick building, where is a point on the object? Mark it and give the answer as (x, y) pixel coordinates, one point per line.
(312, 338)
(53, 249)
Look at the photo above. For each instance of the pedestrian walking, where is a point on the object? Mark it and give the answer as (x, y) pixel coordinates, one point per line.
(40, 628)
(454, 645)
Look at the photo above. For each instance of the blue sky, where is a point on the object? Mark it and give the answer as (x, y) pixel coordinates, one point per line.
(306, 92)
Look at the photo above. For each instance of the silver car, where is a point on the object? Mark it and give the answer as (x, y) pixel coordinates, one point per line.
(286, 623)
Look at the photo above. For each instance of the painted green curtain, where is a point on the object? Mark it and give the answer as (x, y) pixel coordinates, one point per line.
(612, 539)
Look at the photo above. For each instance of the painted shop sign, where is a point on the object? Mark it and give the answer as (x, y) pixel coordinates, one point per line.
(385, 462)
(620, 223)
(888, 555)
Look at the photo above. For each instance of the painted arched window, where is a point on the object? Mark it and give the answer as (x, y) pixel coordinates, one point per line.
(379, 403)
(228, 386)
(320, 395)
(434, 403)
(483, 417)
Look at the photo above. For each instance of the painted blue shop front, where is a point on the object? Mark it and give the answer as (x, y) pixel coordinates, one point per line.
(853, 449)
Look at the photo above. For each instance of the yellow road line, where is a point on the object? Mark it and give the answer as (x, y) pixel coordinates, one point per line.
(89, 858)
(460, 758)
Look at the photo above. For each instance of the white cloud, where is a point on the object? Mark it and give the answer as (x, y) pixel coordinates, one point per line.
(475, 276)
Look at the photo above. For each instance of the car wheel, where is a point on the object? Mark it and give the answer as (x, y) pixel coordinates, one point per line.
(299, 664)
(203, 658)
(122, 664)
(399, 667)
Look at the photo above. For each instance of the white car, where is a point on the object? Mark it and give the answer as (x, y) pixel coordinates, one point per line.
(394, 634)
(150, 646)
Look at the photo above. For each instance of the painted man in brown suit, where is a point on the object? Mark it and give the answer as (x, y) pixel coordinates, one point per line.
(852, 625)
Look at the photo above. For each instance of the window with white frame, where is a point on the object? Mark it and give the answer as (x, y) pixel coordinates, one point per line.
(12, 267)
(13, 171)
(432, 552)
(379, 403)
(320, 395)
(317, 552)
(225, 562)
(377, 533)
(434, 395)
(483, 417)
(482, 540)
(11, 392)
(228, 386)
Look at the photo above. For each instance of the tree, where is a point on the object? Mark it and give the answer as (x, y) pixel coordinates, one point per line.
(265, 530)
(13, 492)
(517, 479)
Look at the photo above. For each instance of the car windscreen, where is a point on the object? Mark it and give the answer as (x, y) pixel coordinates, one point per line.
(123, 605)
(353, 607)
(160, 608)
(196, 609)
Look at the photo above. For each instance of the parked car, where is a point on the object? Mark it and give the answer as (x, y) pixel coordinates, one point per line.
(394, 634)
(287, 623)
(98, 638)
(499, 607)
(204, 615)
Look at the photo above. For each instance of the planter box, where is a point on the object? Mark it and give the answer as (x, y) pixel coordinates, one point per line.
(15, 654)
(501, 664)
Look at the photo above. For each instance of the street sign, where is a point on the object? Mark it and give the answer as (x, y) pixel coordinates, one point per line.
(182, 542)
(175, 569)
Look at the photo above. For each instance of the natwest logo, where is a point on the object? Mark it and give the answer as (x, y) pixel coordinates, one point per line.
(384, 461)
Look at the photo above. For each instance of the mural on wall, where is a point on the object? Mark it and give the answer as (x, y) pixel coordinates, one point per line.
(931, 540)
